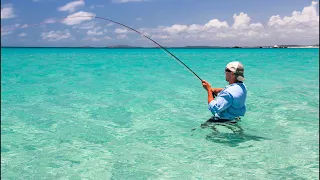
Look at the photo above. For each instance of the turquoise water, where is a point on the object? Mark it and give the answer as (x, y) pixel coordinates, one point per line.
(128, 114)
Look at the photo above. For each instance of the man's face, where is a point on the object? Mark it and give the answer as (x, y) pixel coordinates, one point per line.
(228, 74)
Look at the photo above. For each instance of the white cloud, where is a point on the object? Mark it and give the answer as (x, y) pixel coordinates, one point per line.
(78, 18)
(311, 10)
(72, 6)
(256, 26)
(138, 19)
(22, 34)
(55, 35)
(109, 24)
(95, 32)
(196, 28)
(276, 21)
(216, 23)
(121, 31)
(241, 21)
(160, 37)
(7, 11)
(50, 20)
(302, 27)
(6, 30)
(307, 18)
(87, 25)
(177, 28)
(225, 35)
(126, 1)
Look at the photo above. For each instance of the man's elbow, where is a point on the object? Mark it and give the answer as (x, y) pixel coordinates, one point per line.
(212, 107)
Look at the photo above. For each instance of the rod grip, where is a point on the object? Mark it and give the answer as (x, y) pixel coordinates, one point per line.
(214, 94)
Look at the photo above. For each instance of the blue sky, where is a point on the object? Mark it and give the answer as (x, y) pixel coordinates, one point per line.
(169, 22)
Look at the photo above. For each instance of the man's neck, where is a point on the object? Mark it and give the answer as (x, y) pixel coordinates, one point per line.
(235, 82)
(232, 81)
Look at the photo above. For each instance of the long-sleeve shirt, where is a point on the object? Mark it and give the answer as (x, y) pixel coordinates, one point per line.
(230, 102)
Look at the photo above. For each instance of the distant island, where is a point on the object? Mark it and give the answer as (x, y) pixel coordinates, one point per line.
(122, 46)
(182, 47)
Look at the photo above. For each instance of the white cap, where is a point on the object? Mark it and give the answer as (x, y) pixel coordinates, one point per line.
(237, 68)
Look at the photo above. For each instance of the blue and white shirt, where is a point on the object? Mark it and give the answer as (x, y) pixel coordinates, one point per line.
(230, 102)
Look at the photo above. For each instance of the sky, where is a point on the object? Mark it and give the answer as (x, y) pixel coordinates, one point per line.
(171, 23)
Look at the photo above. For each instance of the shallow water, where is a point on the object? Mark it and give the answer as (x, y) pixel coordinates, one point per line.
(128, 114)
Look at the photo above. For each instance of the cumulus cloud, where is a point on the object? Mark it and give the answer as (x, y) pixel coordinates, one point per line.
(300, 27)
(78, 18)
(72, 6)
(256, 26)
(307, 18)
(95, 32)
(175, 29)
(195, 28)
(55, 35)
(216, 24)
(7, 11)
(241, 21)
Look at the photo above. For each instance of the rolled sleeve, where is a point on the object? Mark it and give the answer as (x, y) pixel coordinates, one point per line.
(221, 103)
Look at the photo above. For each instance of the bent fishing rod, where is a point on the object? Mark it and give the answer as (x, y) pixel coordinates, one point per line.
(97, 17)
(154, 42)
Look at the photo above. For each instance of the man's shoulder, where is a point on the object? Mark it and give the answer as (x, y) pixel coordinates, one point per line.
(236, 88)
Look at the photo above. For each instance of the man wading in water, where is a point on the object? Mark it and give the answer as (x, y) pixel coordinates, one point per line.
(229, 104)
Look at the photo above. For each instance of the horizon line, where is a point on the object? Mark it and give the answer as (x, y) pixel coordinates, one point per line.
(192, 46)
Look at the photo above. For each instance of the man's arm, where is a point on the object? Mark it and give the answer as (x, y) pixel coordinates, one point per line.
(210, 96)
(207, 86)
(216, 90)
(221, 103)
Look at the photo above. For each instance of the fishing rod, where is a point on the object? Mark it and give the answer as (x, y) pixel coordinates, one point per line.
(97, 17)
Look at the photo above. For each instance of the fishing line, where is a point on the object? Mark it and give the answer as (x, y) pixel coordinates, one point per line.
(97, 17)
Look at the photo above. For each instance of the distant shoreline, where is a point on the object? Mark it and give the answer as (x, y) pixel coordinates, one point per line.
(183, 47)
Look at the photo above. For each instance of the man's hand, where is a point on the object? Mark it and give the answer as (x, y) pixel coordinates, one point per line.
(206, 85)
(216, 90)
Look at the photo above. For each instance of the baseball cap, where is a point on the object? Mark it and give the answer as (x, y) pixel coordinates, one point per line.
(237, 68)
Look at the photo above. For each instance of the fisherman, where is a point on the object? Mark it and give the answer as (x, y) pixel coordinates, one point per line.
(229, 104)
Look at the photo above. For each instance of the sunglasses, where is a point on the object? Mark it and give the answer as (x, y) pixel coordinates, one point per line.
(227, 70)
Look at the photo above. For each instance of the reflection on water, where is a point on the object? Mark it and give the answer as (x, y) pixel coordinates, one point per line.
(231, 134)
(233, 126)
